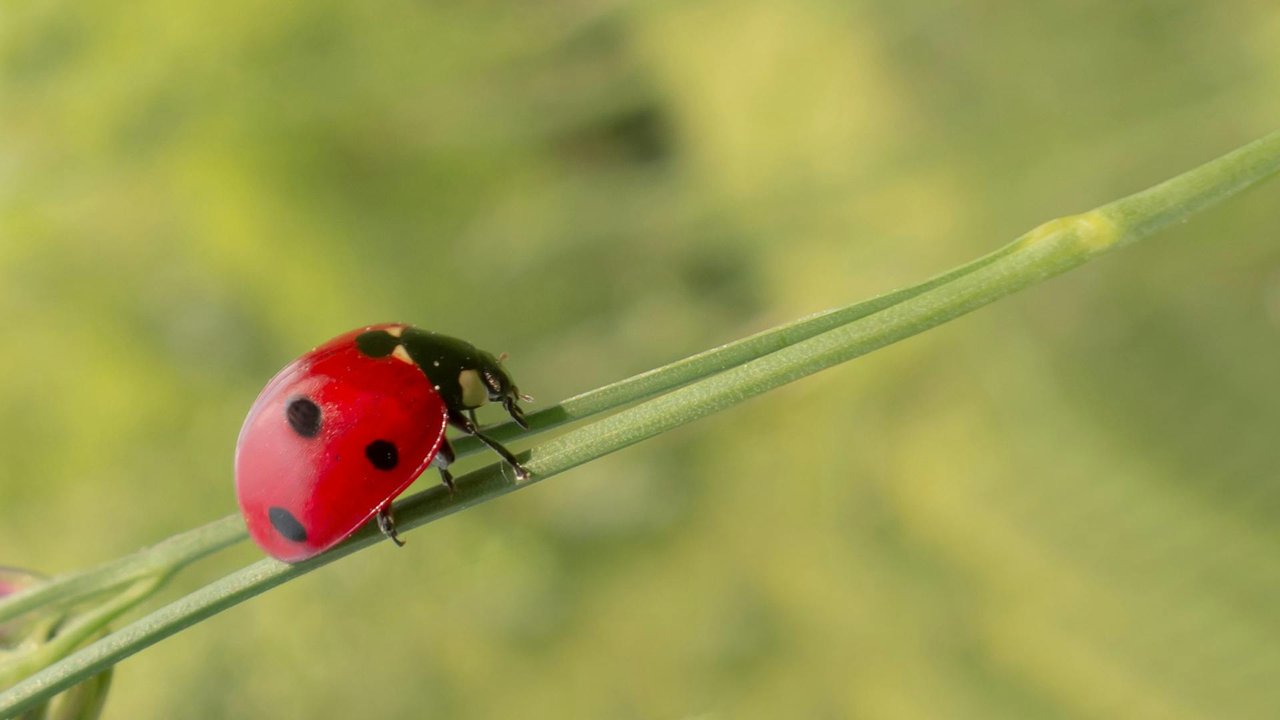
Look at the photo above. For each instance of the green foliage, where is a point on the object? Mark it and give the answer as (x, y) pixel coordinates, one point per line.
(1062, 507)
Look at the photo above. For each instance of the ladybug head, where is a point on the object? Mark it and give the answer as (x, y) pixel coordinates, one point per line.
(501, 389)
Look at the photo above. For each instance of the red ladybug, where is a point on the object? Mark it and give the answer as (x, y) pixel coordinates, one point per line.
(341, 431)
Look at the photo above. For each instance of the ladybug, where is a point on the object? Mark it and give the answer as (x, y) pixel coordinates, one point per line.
(341, 431)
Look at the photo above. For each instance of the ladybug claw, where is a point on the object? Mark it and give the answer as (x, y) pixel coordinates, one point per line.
(387, 525)
(516, 412)
(522, 474)
(446, 477)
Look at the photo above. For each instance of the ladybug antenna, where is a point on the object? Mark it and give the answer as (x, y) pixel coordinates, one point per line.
(502, 357)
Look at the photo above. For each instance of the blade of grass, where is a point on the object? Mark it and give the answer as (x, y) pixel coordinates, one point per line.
(681, 372)
(161, 558)
(1044, 252)
(181, 550)
(80, 628)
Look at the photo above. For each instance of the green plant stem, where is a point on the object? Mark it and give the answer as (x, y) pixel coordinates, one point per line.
(159, 559)
(81, 627)
(183, 549)
(706, 363)
(1044, 252)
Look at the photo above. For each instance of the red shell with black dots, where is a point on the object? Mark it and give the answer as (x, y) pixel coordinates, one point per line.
(332, 440)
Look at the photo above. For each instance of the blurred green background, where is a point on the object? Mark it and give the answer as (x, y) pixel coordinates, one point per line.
(1063, 506)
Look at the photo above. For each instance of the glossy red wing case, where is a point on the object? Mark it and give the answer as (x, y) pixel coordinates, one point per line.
(332, 439)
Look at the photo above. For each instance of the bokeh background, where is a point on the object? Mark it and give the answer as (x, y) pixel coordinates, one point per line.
(1062, 506)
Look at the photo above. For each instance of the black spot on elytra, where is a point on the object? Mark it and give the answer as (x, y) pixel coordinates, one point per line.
(383, 455)
(286, 524)
(376, 343)
(304, 416)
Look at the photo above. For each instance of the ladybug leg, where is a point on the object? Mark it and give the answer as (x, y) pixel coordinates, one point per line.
(446, 477)
(515, 411)
(471, 413)
(443, 459)
(463, 423)
(387, 525)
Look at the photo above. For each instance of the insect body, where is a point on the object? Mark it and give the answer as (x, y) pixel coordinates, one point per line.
(341, 431)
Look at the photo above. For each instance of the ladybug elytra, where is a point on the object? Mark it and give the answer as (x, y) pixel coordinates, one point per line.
(337, 434)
